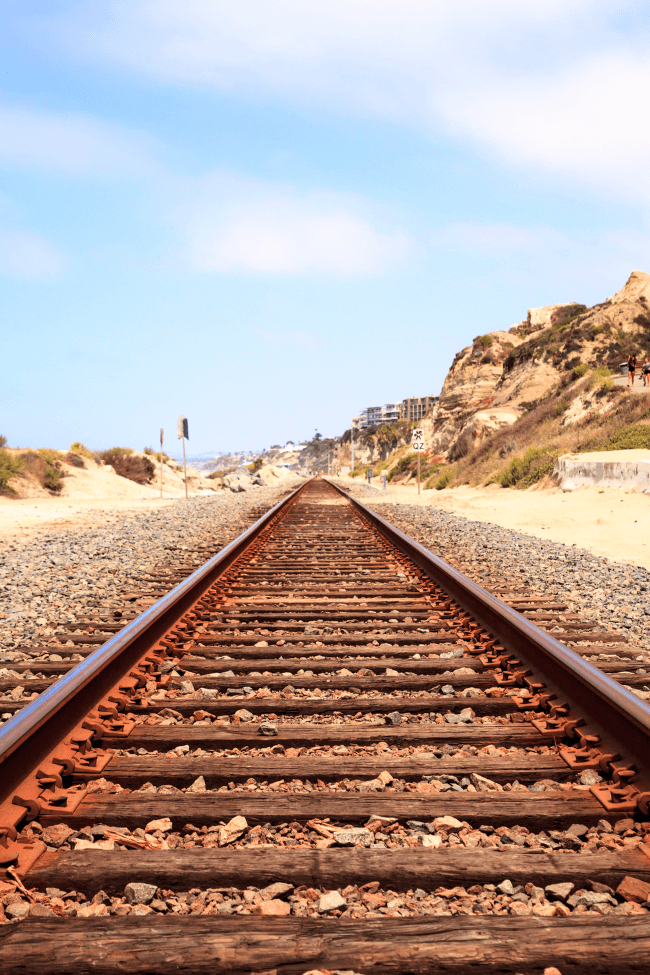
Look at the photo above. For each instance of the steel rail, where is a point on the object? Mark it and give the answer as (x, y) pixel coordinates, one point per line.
(619, 717)
(109, 662)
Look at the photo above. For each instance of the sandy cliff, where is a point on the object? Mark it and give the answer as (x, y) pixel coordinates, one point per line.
(493, 382)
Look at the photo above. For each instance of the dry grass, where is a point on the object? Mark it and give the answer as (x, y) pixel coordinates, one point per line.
(523, 453)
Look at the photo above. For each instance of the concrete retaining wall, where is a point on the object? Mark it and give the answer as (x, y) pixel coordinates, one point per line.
(627, 470)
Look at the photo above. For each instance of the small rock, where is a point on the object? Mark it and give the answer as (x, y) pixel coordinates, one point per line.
(137, 893)
(350, 837)
(623, 824)
(588, 898)
(482, 784)
(393, 718)
(447, 822)
(56, 835)
(232, 830)
(276, 890)
(430, 841)
(40, 910)
(633, 890)
(272, 908)
(164, 825)
(267, 728)
(505, 887)
(559, 891)
(197, 786)
(244, 715)
(331, 902)
(589, 777)
(17, 909)
(186, 687)
(578, 830)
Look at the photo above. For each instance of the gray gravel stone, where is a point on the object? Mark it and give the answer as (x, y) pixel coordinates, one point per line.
(331, 901)
(137, 893)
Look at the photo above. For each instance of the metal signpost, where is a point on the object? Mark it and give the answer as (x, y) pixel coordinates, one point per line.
(183, 434)
(162, 437)
(418, 445)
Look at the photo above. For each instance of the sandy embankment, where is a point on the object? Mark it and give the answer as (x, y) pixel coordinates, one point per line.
(89, 489)
(603, 521)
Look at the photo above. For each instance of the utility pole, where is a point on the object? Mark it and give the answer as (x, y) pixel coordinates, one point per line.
(352, 447)
(183, 434)
(162, 437)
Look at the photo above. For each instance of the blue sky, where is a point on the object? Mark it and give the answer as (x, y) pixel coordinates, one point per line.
(267, 215)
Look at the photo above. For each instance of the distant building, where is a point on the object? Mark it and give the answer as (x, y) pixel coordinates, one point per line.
(415, 408)
(374, 416)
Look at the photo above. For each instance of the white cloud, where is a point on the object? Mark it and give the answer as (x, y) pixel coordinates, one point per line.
(552, 85)
(71, 143)
(298, 338)
(30, 256)
(585, 120)
(233, 225)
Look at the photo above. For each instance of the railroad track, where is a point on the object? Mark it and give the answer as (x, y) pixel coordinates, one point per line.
(326, 749)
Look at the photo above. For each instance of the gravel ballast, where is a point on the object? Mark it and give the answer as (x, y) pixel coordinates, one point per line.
(71, 572)
(613, 594)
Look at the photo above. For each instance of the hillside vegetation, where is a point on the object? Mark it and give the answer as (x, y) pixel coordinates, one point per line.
(515, 400)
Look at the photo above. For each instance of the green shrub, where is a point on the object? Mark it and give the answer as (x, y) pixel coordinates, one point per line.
(52, 474)
(79, 448)
(75, 460)
(633, 437)
(52, 477)
(124, 463)
(560, 409)
(579, 371)
(484, 340)
(443, 480)
(9, 467)
(521, 472)
(406, 463)
(600, 372)
(3, 441)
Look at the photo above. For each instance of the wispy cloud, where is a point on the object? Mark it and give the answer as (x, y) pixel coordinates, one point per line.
(551, 85)
(72, 143)
(238, 226)
(298, 338)
(29, 256)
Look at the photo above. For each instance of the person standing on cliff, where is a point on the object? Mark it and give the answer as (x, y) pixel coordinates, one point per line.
(631, 368)
(646, 372)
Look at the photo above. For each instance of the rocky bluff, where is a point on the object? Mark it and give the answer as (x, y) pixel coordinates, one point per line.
(496, 379)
